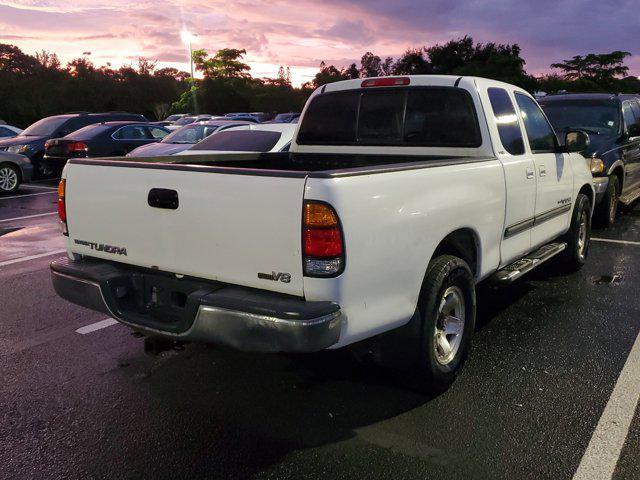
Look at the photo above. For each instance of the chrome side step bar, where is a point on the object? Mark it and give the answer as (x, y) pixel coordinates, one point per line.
(630, 197)
(527, 263)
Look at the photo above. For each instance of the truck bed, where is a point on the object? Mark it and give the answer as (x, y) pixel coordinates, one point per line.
(316, 165)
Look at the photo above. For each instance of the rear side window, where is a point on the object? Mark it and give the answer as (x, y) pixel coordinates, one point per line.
(628, 114)
(132, 132)
(240, 141)
(76, 124)
(429, 116)
(541, 137)
(505, 117)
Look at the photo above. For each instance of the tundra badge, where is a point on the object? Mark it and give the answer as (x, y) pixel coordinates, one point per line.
(101, 247)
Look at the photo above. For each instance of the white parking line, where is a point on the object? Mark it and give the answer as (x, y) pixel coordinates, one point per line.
(28, 185)
(601, 456)
(610, 240)
(27, 195)
(28, 216)
(30, 257)
(107, 322)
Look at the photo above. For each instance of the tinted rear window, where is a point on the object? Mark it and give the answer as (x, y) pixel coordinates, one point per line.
(240, 141)
(89, 131)
(429, 116)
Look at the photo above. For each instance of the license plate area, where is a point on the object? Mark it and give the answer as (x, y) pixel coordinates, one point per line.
(157, 301)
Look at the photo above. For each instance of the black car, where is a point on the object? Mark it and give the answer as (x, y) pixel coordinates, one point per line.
(109, 139)
(613, 124)
(31, 141)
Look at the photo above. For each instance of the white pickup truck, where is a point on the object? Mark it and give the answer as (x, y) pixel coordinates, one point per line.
(399, 195)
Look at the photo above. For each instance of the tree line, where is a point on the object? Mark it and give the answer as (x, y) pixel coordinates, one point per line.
(35, 86)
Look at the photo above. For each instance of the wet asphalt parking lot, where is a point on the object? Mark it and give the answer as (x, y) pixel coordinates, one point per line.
(550, 389)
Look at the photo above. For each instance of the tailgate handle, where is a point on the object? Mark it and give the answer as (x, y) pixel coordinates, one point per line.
(163, 198)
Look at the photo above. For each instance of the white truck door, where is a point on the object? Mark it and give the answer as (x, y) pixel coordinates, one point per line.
(553, 173)
(519, 173)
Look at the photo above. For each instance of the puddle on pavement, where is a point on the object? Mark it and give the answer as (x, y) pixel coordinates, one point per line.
(607, 279)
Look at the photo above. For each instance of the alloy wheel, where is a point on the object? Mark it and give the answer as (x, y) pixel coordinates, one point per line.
(450, 325)
(8, 179)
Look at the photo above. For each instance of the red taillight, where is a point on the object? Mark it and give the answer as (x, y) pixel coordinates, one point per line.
(47, 144)
(322, 240)
(385, 82)
(77, 147)
(62, 206)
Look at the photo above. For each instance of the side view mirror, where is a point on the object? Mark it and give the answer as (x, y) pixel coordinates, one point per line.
(576, 141)
(634, 130)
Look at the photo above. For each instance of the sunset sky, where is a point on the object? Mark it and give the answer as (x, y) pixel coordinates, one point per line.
(301, 33)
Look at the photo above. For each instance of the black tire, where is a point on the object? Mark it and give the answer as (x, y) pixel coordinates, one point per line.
(445, 274)
(577, 251)
(10, 177)
(605, 213)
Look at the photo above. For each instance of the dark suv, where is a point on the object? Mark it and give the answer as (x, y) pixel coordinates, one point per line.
(31, 141)
(613, 124)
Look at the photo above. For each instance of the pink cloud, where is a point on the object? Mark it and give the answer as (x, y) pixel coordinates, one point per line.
(300, 33)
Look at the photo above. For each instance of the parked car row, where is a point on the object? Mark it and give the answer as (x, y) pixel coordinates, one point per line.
(42, 150)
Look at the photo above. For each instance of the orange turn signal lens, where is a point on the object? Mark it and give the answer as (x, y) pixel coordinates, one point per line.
(61, 186)
(318, 214)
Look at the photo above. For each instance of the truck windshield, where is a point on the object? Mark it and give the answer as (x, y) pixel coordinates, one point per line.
(593, 116)
(418, 116)
(240, 141)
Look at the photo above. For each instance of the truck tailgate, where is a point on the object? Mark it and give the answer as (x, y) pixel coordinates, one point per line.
(227, 227)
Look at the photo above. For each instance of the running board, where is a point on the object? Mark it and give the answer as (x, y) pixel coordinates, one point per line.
(527, 263)
(629, 198)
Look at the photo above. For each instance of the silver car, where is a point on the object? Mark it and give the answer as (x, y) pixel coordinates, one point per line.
(14, 169)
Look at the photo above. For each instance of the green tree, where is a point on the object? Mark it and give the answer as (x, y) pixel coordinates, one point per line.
(412, 62)
(371, 65)
(602, 69)
(351, 72)
(227, 63)
(327, 74)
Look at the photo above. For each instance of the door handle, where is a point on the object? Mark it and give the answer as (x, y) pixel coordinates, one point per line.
(530, 173)
(543, 171)
(163, 198)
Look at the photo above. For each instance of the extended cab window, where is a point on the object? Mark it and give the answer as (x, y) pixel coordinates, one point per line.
(505, 116)
(427, 116)
(540, 134)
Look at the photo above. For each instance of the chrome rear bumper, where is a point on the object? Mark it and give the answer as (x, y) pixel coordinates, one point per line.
(242, 318)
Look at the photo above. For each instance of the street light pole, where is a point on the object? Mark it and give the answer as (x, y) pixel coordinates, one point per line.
(191, 58)
(186, 38)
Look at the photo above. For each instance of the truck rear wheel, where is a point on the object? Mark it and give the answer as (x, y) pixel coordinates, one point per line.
(447, 313)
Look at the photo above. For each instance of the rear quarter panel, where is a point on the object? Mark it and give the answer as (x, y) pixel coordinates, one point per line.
(392, 224)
